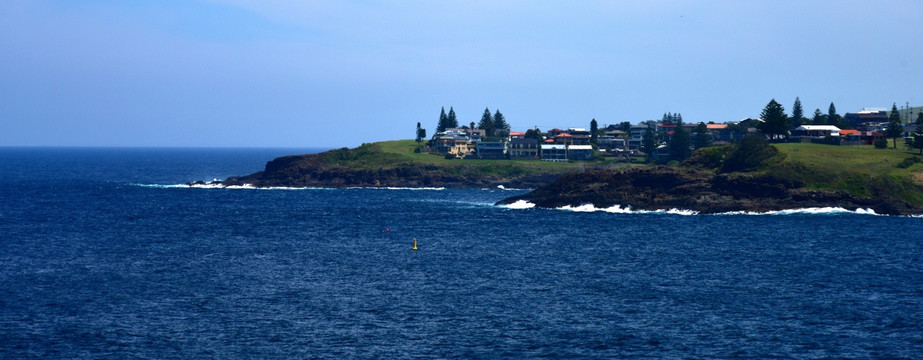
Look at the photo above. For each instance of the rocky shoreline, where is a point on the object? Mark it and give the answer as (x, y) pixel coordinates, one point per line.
(664, 188)
(312, 171)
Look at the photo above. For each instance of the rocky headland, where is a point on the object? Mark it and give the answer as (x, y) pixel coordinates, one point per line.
(750, 177)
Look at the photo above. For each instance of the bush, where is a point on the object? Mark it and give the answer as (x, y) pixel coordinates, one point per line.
(750, 154)
(881, 144)
(908, 162)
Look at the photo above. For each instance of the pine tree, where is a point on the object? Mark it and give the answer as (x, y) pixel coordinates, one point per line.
(895, 129)
(503, 129)
(920, 118)
(443, 120)
(702, 138)
(594, 132)
(832, 117)
(451, 121)
(649, 143)
(775, 122)
(487, 123)
(797, 113)
(680, 142)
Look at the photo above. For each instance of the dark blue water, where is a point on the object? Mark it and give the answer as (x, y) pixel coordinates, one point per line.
(99, 260)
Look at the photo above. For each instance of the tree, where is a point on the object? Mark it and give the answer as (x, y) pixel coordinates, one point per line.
(625, 126)
(487, 123)
(649, 143)
(451, 121)
(920, 118)
(421, 134)
(833, 118)
(702, 138)
(819, 118)
(918, 139)
(775, 122)
(680, 142)
(797, 113)
(534, 134)
(895, 129)
(594, 132)
(443, 121)
(503, 129)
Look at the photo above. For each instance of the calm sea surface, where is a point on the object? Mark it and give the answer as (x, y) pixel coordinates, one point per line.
(101, 256)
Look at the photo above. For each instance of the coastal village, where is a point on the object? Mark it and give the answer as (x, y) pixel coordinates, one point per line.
(656, 140)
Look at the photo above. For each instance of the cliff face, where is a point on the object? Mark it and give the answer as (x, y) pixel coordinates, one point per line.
(661, 188)
(316, 170)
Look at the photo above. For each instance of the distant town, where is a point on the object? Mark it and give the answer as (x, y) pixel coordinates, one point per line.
(669, 138)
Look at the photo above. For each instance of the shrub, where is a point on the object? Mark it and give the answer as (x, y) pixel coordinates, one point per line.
(750, 154)
(881, 144)
(908, 162)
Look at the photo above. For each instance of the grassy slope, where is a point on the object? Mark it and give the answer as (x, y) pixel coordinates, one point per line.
(390, 154)
(858, 169)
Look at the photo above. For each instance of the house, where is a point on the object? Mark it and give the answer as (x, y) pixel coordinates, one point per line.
(637, 131)
(450, 143)
(815, 131)
(523, 148)
(661, 153)
(564, 139)
(750, 122)
(517, 134)
(857, 137)
(865, 116)
(491, 150)
(474, 134)
(554, 152)
(580, 152)
(610, 142)
(579, 136)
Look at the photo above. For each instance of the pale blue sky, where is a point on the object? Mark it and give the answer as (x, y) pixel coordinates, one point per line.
(270, 73)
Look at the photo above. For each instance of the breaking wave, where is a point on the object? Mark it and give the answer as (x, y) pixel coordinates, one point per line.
(618, 209)
(809, 211)
(520, 204)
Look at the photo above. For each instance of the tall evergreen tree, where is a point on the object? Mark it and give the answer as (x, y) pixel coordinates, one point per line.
(594, 132)
(649, 143)
(487, 123)
(920, 118)
(797, 113)
(775, 122)
(702, 138)
(833, 118)
(443, 120)
(895, 129)
(503, 128)
(680, 142)
(451, 121)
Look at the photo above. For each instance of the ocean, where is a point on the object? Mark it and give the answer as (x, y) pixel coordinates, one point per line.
(104, 253)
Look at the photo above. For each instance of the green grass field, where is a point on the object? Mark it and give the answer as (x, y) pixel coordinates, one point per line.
(860, 159)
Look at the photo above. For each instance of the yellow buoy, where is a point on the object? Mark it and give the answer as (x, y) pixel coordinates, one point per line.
(414, 243)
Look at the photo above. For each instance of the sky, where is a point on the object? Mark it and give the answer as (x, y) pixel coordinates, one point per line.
(279, 73)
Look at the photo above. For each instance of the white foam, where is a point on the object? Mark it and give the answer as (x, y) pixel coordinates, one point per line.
(809, 211)
(400, 188)
(520, 204)
(618, 209)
